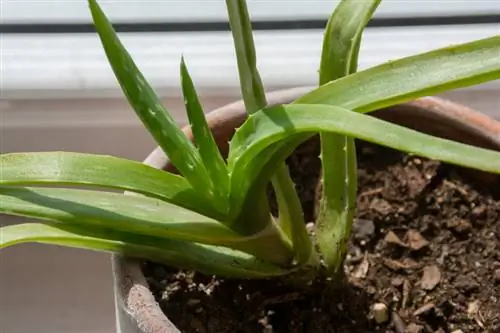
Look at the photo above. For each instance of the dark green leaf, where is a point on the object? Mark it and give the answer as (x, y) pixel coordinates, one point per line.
(204, 139)
(134, 214)
(149, 108)
(339, 58)
(254, 98)
(251, 85)
(202, 258)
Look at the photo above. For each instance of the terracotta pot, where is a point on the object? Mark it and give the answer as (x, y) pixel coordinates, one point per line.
(136, 309)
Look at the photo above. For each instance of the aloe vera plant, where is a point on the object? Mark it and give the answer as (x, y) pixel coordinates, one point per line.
(214, 216)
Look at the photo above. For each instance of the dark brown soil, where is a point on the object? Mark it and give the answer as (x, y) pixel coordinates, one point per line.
(426, 244)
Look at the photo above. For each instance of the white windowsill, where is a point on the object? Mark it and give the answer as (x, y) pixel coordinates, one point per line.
(76, 11)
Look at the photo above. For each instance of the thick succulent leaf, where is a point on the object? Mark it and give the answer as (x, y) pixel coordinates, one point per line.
(107, 172)
(202, 258)
(134, 214)
(342, 38)
(253, 93)
(269, 155)
(339, 58)
(203, 138)
(251, 85)
(130, 213)
(294, 123)
(147, 105)
(393, 83)
(412, 77)
(292, 212)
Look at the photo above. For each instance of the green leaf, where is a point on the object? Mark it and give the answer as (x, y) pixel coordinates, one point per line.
(278, 125)
(160, 124)
(134, 214)
(202, 258)
(342, 38)
(245, 196)
(65, 168)
(304, 250)
(204, 139)
(254, 98)
(252, 90)
(251, 85)
(339, 58)
(355, 55)
(412, 77)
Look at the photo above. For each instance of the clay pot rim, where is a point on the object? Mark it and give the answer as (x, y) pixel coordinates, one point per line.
(132, 291)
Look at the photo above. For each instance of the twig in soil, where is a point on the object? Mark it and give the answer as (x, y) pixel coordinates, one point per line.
(290, 297)
(406, 293)
(423, 309)
(474, 313)
(398, 323)
(371, 192)
(460, 189)
(362, 269)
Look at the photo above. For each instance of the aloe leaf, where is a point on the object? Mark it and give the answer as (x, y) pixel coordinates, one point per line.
(390, 84)
(100, 171)
(254, 98)
(339, 58)
(291, 216)
(342, 38)
(202, 258)
(203, 137)
(251, 85)
(147, 105)
(412, 77)
(252, 145)
(304, 251)
(134, 214)
(355, 53)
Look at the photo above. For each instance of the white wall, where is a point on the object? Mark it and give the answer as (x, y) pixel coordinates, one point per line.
(209, 10)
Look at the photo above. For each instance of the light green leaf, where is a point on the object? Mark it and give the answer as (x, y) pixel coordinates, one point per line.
(251, 85)
(386, 85)
(204, 139)
(338, 153)
(304, 250)
(134, 214)
(65, 168)
(342, 38)
(202, 258)
(412, 77)
(252, 90)
(293, 123)
(254, 98)
(160, 124)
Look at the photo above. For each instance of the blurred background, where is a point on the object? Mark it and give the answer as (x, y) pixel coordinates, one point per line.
(58, 93)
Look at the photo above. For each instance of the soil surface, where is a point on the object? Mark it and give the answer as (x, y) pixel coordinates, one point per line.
(425, 254)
